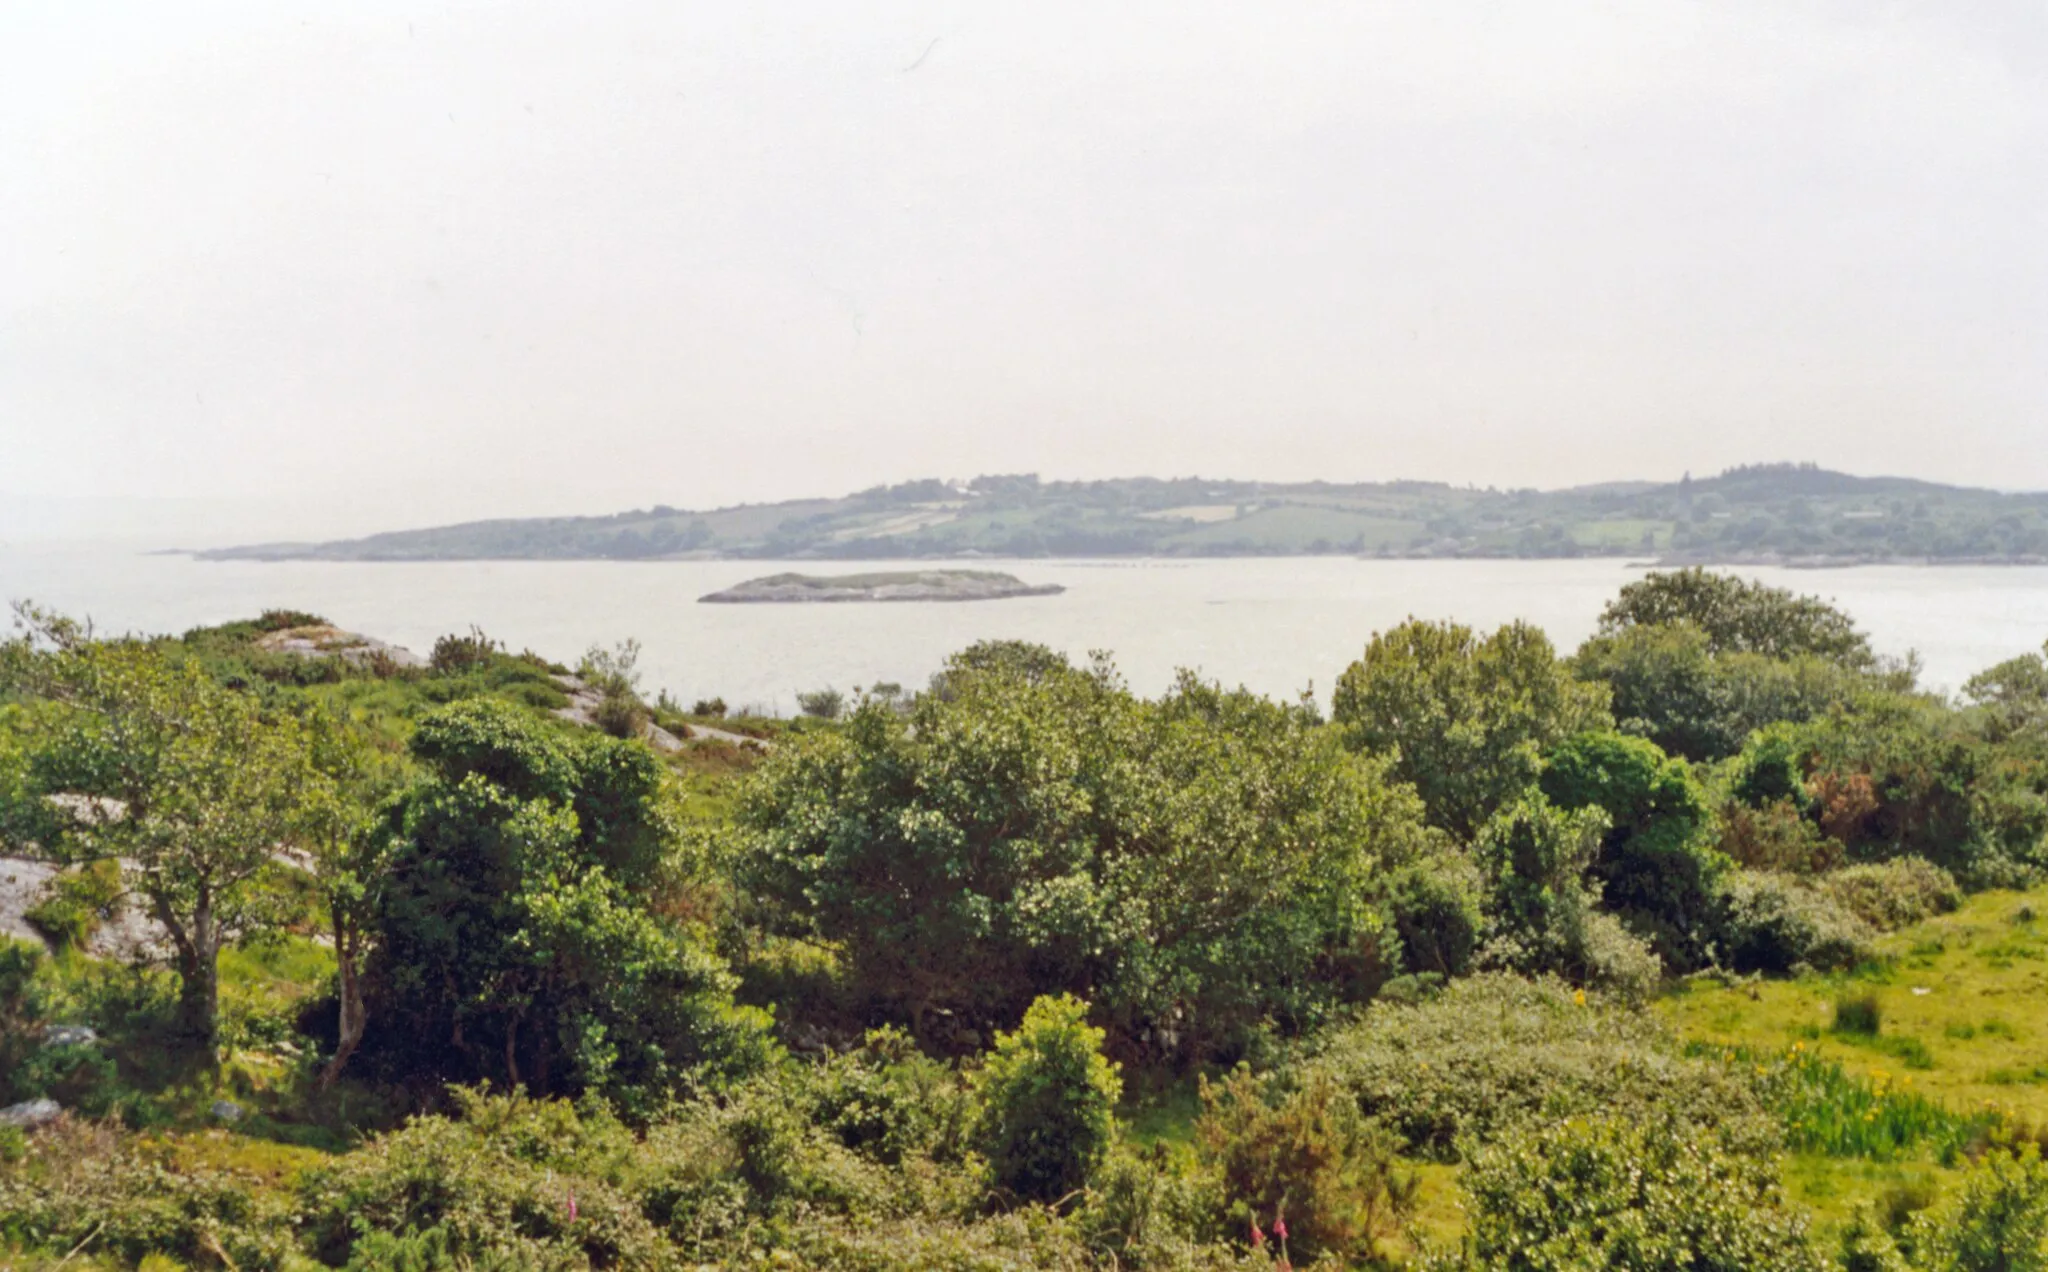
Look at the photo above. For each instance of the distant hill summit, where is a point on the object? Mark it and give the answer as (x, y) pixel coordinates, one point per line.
(1797, 514)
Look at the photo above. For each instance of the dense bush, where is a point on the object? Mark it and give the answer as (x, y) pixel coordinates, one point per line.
(1540, 908)
(1048, 1100)
(1493, 1051)
(1642, 1195)
(1995, 1221)
(1436, 908)
(1656, 865)
(525, 1183)
(1194, 865)
(1465, 718)
(21, 1012)
(1670, 685)
(1892, 894)
(79, 1181)
(1738, 616)
(514, 940)
(1773, 923)
(1304, 1160)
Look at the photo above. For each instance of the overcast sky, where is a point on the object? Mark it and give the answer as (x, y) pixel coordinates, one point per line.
(366, 264)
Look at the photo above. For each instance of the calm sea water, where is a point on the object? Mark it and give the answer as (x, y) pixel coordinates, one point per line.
(1277, 626)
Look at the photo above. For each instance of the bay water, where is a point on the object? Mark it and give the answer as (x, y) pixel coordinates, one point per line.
(1280, 626)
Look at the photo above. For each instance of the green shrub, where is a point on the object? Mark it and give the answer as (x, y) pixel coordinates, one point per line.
(22, 1011)
(1656, 863)
(1772, 923)
(1647, 1196)
(890, 1102)
(1492, 1051)
(1152, 1208)
(1047, 1099)
(1540, 911)
(620, 715)
(495, 1184)
(1857, 1015)
(1435, 906)
(1996, 1220)
(1893, 894)
(78, 1180)
(1305, 1157)
(455, 655)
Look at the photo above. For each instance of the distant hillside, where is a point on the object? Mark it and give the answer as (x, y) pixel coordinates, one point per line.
(1772, 513)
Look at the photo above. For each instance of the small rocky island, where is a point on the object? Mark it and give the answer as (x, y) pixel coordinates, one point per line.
(907, 585)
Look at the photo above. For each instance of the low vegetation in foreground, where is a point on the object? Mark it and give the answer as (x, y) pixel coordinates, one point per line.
(1716, 944)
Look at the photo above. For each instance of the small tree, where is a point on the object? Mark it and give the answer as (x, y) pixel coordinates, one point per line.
(1739, 616)
(352, 837)
(1465, 718)
(194, 787)
(1048, 1100)
(824, 704)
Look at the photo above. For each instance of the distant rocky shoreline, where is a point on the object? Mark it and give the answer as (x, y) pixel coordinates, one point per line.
(909, 585)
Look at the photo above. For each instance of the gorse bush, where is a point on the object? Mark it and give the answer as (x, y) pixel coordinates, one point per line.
(1995, 1221)
(1304, 1158)
(1772, 923)
(1648, 1196)
(78, 1183)
(1494, 1051)
(1892, 894)
(1048, 1100)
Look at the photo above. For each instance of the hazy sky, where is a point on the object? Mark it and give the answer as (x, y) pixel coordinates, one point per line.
(367, 264)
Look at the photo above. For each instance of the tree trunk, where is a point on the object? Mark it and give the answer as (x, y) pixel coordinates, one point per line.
(199, 974)
(354, 1015)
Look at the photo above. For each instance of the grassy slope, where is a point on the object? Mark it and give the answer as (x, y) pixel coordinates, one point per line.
(1964, 1002)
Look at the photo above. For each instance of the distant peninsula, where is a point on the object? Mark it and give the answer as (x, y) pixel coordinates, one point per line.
(907, 585)
(1773, 514)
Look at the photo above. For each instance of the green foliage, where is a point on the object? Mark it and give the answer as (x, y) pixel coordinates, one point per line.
(22, 1012)
(1655, 865)
(1672, 686)
(455, 655)
(1540, 910)
(512, 1182)
(1772, 923)
(191, 785)
(1306, 1159)
(1858, 1014)
(822, 704)
(78, 1182)
(1642, 1196)
(2012, 697)
(1193, 865)
(514, 940)
(1996, 1221)
(1047, 1103)
(1738, 616)
(1465, 718)
(1435, 907)
(1825, 1109)
(1890, 895)
(1493, 1051)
